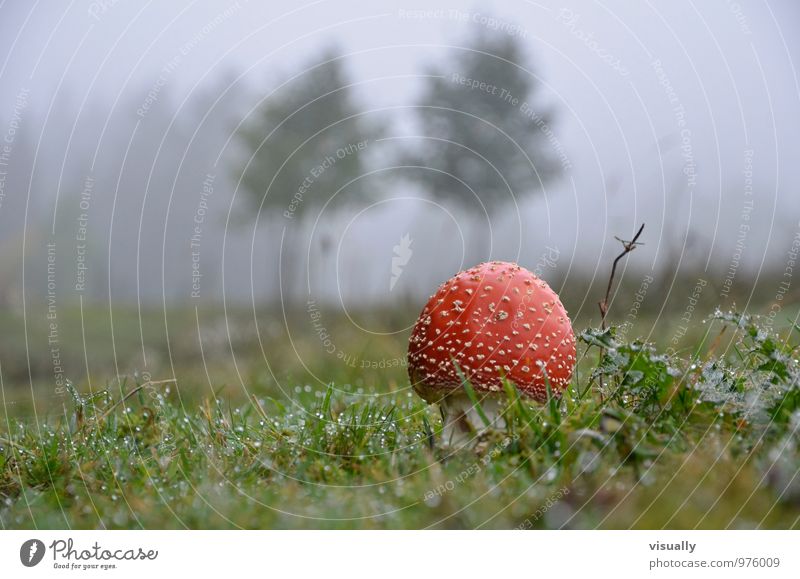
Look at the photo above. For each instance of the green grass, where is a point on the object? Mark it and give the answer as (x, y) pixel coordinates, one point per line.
(708, 440)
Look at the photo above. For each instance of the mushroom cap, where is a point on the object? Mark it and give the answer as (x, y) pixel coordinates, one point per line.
(495, 319)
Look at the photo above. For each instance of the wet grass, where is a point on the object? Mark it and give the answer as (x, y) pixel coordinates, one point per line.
(708, 439)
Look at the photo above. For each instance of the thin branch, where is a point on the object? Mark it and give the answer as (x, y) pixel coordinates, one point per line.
(627, 247)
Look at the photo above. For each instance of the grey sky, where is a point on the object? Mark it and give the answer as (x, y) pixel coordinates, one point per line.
(620, 75)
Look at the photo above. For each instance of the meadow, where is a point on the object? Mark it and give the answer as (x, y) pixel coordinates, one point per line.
(268, 426)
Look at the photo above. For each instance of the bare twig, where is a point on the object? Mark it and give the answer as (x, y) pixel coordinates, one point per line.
(627, 247)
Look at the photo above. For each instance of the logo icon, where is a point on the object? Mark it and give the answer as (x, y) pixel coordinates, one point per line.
(402, 254)
(32, 552)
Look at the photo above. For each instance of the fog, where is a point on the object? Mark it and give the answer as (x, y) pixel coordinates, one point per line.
(120, 122)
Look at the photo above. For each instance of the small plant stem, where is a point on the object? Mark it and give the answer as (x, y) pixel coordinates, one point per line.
(627, 247)
(132, 392)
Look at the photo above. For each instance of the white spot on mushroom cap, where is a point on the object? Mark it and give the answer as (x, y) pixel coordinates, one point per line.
(472, 319)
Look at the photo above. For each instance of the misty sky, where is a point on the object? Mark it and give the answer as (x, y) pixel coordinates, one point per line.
(661, 109)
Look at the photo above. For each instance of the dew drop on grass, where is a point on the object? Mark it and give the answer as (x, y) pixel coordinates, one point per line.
(432, 500)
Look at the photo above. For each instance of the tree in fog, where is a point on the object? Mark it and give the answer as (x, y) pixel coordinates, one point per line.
(486, 135)
(303, 147)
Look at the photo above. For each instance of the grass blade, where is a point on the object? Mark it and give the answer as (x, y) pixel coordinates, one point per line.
(471, 395)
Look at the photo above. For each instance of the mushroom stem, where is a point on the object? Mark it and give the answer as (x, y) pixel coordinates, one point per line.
(463, 424)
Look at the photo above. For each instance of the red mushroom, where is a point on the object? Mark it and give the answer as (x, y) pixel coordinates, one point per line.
(494, 320)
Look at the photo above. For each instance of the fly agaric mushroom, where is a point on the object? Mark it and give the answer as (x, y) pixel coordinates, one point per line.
(491, 321)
